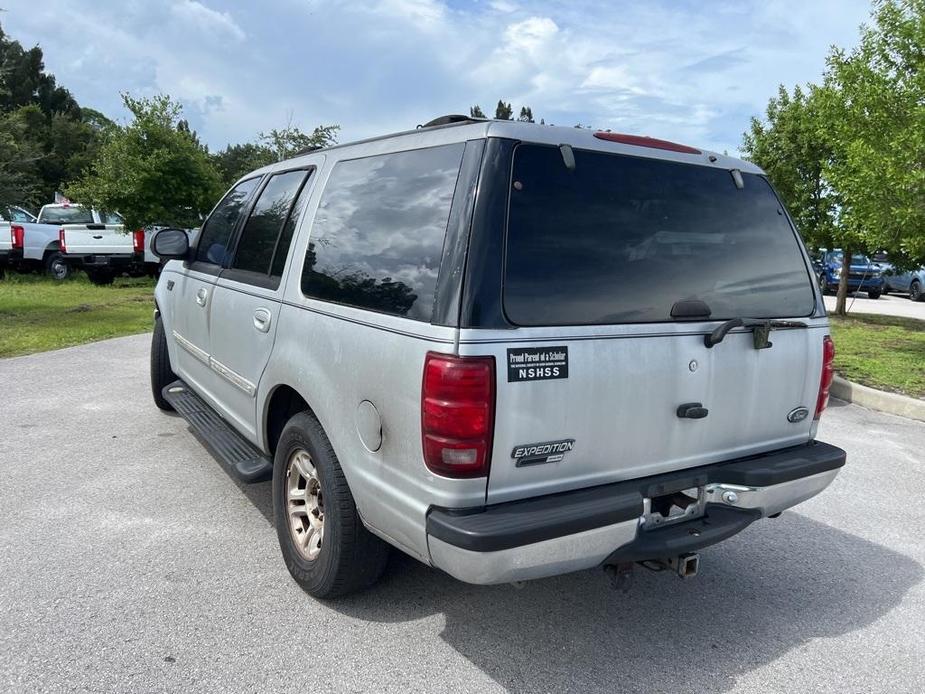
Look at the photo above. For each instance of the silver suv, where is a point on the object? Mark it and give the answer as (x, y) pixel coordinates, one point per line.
(509, 350)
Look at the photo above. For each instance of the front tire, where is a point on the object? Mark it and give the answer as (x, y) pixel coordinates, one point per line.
(915, 291)
(56, 267)
(874, 294)
(823, 285)
(161, 373)
(325, 546)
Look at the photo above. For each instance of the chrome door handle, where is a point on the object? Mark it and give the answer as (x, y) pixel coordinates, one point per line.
(262, 318)
(201, 296)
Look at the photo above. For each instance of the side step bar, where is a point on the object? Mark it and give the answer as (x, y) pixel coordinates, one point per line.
(223, 442)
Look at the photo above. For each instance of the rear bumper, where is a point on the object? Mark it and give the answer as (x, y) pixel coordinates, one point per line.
(4, 256)
(577, 530)
(106, 261)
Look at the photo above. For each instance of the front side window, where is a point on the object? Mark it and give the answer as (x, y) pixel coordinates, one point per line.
(377, 238)
(18, 215)
(621, 239)
(216, 233)
(265, 226)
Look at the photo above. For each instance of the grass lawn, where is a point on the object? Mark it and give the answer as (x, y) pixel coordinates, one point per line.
(38, 314)
(883, 352)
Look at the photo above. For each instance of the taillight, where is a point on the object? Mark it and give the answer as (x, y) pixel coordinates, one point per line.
(828, 373)
(17, 236)
(138, 240)
(642, 141)
(457, 414)
(61, 245)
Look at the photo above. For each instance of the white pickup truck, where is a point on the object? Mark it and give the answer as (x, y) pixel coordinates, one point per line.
(97, 242)
(9, 216)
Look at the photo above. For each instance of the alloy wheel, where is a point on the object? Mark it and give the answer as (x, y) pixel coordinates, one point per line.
(304, 504)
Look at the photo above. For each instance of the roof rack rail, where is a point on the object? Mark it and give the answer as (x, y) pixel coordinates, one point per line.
(450, 119)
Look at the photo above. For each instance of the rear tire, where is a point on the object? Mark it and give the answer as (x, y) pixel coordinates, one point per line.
(56, 267)
(325, 546)
(101, 278)
(874, 294)
(161, 373)
(915, 291)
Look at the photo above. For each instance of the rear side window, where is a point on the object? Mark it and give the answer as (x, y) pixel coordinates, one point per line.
(377, 238)
(258, 245)
(216, 232)
(620, 239)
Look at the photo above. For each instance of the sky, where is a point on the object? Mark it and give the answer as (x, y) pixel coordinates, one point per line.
(693, 72)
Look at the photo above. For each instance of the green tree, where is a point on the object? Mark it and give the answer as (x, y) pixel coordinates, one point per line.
(149, 170)
(236, 160)
(503, 111)
(290, 141)
(20, 181)
(526, 114)
(23, 81)
(875, 112)
(788, 146)
(476, 112)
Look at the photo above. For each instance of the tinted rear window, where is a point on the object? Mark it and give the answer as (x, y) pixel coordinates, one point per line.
(66, 215)
(621, 239)
(377, 238)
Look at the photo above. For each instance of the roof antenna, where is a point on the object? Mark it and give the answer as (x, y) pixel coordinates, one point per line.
(568, 156)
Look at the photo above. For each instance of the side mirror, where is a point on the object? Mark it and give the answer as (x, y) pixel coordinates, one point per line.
(170, 244)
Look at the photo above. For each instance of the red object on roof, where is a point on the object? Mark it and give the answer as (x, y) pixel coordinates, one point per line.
(642, 141)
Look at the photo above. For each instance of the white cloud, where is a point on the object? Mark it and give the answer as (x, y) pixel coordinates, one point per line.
(681, 71)
(208, 21)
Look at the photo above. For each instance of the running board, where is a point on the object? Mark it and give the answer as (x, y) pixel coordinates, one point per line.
(219, 437)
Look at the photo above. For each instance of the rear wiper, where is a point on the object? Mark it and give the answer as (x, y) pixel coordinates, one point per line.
(761, 330)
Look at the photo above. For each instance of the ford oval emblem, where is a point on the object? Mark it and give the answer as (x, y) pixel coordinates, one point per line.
(798, 414)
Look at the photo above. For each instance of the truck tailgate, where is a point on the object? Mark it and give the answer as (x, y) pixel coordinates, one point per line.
(96, 239)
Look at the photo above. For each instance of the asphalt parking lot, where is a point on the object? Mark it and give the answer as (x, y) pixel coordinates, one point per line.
(887, 305)
(130, 561)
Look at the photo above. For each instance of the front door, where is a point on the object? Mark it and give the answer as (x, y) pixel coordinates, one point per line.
(194, 291)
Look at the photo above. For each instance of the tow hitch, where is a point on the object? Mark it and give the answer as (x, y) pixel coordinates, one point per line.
(621, 575)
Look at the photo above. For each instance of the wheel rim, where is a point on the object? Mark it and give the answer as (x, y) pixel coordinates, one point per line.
(822, 283)
(915, 291)
(304, 504)
(59, 270)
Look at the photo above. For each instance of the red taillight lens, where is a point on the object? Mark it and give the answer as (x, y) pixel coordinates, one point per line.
(457, 414)
(61, 245)
(17, 236)
(642, 141)
(138, 240)
(828, 373)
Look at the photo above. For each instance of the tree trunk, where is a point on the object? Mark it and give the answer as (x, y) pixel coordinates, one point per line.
(842, 298)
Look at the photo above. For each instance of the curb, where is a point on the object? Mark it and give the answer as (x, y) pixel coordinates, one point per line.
(891, 403)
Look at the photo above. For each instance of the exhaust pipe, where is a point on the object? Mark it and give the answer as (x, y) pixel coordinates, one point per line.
(686, 565)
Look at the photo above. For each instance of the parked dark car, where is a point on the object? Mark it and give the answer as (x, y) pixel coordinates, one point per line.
(864, 275)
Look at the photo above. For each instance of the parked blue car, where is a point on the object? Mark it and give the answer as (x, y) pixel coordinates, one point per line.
(911, 282)
(864, 275)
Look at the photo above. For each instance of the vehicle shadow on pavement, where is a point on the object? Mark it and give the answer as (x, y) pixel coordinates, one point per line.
(759, 595)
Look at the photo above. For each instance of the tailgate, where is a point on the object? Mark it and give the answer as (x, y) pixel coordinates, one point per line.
(615, 268)
(612, 412)
(97, 239)
(6, 240)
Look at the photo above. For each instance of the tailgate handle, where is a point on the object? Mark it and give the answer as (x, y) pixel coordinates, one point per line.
(97, 236)
(692, 410)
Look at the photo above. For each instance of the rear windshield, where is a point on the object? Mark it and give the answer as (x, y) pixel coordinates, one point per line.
(65, 215)
(620, 239)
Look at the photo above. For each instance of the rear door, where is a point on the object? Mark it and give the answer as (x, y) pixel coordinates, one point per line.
(600, 261)
(192, 290)
(247, 295)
